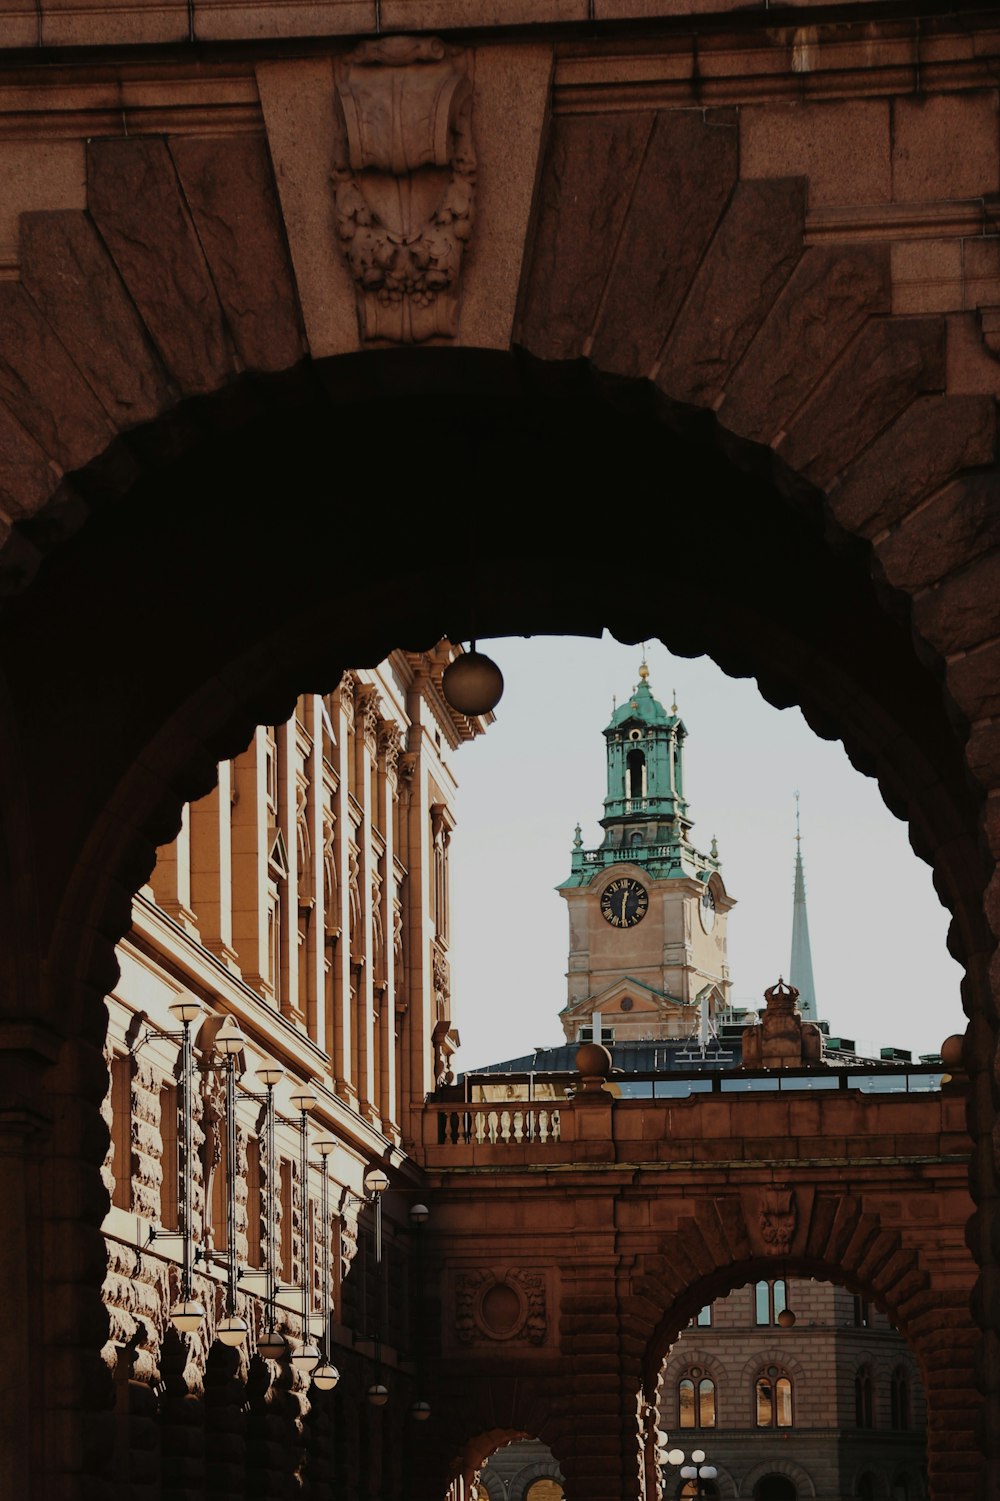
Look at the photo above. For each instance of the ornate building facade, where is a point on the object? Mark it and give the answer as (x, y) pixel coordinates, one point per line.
(302, 917)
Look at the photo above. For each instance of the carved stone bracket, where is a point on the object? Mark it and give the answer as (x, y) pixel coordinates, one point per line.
(404, 198)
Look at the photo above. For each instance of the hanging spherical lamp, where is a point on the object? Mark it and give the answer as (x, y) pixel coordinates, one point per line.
(272, 1344)
(420, 1412)
(305, 1357)
(187, 1315)
(232, 1331)
(472, 683)
(377, 1395)
(325, 1377)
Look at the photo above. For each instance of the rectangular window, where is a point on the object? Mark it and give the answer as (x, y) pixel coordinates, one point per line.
(285, 1181)
(762, 1303)
(169, 1160)
(704, 1319)
(253, 1203)
(121, 1130)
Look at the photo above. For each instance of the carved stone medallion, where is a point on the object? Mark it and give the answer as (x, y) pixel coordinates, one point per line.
(404, 198)
(492, 1307)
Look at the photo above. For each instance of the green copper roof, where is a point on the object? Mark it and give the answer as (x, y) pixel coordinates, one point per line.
(641, 707)
(646, 820)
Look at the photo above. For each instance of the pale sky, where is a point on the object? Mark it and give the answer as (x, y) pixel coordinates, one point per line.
(883, 974)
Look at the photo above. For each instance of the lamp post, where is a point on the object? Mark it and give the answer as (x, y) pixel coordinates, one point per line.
(187, 1314)
(419, 1215)
(693, 1469)
(230, 1042)
(307, 1356)
(272, 1343)
(376, 1182)
(325, 1375)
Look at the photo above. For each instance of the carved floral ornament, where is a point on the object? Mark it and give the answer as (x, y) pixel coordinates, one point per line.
(404, 197)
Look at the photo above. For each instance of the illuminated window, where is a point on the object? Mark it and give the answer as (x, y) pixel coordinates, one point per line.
(773, 1399)
(770, 1299)
(696, 1400)
(863, 1407)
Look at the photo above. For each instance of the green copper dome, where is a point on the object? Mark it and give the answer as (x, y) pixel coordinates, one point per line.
(641, 707)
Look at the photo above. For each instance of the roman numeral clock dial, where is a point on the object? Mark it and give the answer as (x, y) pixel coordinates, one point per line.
(624, 902)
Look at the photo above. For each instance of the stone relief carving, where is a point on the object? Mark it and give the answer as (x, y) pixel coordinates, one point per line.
(500, 1307)
(404, 196)
(778, 1217)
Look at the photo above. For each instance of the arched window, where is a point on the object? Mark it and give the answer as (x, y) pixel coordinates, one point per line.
(636, 773)
(545, 1488)
(900, 1489)
(865, 1488)
(899, 1399)
(864, 1412)
(636, 840)
(773, 1399)
(696, 1400)
(770, 1299)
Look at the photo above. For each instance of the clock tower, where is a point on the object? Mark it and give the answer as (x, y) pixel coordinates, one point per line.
(647, 911)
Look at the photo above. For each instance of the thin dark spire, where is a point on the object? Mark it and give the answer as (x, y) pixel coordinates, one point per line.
(800, 970)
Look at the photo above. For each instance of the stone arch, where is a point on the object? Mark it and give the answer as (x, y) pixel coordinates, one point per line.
(537, 1470)
(839, 1239)
(209, 339)
(795, 1472)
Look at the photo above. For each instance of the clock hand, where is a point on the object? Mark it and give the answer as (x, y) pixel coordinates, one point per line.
(624, 900)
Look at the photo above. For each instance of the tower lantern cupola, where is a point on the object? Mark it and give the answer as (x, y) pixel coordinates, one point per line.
(645, 753)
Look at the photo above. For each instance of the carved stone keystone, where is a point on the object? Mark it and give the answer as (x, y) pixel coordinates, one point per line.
(404, 199)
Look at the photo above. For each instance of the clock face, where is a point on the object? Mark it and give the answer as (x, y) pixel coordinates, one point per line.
(707, 910)
(624, 902)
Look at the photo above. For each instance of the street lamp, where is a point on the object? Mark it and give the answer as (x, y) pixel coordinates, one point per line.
(375, 1183)
(693, 1469)
(307, 1355)
(272, 1342)
(187, 1314)
(325, 1375)
(229, 1043)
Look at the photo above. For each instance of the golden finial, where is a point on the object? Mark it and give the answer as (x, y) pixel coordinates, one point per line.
(644, 672)
(673, 706)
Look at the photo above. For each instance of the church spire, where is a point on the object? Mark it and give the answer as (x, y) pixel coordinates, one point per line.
(800, 971)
